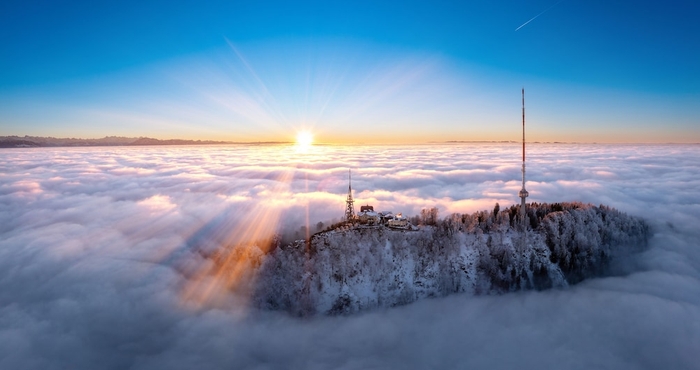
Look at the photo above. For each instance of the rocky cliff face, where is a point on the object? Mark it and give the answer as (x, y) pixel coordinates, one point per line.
(347, 270)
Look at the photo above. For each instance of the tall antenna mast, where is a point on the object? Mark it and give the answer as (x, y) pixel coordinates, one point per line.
(349, 202)
(523, 193)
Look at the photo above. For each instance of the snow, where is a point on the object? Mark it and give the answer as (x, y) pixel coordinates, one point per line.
(358, 268)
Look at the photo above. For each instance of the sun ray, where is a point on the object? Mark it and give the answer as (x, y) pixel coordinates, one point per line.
(304, 140)
(232, 273)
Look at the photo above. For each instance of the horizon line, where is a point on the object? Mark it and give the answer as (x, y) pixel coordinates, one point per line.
(160, 141)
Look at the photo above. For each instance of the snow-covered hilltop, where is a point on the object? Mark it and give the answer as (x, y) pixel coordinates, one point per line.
(351, 269)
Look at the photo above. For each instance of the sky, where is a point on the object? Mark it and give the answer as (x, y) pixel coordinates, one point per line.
(97, 246)
(360, 72)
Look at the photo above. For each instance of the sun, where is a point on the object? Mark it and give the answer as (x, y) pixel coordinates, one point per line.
(304, 139)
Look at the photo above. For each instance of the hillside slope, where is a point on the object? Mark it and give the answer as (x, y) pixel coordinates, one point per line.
(351, 269)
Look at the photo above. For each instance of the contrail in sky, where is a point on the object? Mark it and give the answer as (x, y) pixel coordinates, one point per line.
(544, 11)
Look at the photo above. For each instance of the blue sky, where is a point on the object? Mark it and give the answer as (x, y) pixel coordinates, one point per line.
(358, 72)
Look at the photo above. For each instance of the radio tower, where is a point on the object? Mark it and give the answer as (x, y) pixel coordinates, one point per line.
(523, 193)
(349, 203)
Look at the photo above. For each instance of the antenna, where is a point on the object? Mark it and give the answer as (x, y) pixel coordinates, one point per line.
(349, 202)
(523, 193)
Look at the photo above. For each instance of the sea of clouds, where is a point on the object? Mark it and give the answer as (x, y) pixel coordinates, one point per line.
(97, 246)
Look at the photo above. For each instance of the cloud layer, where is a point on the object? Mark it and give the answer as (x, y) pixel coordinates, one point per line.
(96, 245)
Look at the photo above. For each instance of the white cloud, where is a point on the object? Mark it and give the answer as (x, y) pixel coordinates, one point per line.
(95, 248)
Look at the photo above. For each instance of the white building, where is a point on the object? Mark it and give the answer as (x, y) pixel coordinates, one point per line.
(368, 217)
(398, 221)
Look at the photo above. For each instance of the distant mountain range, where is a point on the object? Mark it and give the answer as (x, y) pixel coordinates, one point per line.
(37, 141)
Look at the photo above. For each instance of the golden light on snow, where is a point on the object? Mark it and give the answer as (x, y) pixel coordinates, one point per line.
(233, 268)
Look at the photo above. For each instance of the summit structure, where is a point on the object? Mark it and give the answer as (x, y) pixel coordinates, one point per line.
(523, 193)
(349, 202)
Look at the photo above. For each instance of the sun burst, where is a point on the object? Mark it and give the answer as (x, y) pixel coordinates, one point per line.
(304, 139)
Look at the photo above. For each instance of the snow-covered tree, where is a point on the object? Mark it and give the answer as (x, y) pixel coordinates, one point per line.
(350, 268)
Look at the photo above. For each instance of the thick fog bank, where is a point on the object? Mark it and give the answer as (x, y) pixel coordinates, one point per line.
(98, 248)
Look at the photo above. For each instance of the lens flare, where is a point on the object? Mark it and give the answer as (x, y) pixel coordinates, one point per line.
(304, 139)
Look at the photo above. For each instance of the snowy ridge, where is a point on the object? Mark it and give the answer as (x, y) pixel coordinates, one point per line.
(348, 270)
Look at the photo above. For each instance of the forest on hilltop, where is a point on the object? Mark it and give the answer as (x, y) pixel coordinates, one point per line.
(345, 270)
